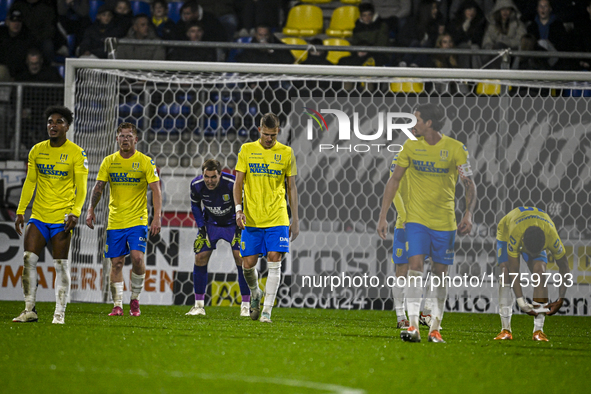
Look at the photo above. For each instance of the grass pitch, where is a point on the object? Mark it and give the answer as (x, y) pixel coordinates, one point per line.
(302, 351)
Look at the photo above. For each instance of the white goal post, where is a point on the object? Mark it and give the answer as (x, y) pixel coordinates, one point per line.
(528, 134)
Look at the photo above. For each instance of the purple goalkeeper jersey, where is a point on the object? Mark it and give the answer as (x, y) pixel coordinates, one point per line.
(218, 204)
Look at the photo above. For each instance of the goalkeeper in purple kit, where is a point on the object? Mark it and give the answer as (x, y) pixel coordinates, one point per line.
(212, 204)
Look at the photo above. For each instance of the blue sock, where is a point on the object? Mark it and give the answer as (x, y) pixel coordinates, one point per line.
(244, 290)
(199, 280)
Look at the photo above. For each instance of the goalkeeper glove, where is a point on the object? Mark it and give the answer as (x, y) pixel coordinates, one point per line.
(200, 240)
(524, 306)
(237, 236)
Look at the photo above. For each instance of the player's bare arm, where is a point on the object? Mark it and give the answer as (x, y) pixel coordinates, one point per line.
(389, 193)
(292, 193)
(156, 224)
(513, 267)
(237, 192)
(465, 225)
(563, 269)
(95, 197)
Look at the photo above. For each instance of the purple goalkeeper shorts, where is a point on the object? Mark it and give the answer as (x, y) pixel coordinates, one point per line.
(215, 233)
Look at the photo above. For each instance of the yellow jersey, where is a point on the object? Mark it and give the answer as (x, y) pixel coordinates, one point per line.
(432, 174)
(265, 171)
(401, 197)
(129, 179)
(513, 225)
(60, 175)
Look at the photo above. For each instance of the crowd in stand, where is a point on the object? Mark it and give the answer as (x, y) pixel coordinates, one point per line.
(34, 35)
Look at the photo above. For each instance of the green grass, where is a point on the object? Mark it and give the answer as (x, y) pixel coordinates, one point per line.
(303, 351)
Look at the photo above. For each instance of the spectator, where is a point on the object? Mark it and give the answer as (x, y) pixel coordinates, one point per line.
(141, 30)
(504, 29)
(583, 42)
(40, 19)
(529, 43)
(212, 28)
(394, 13)
(444, 41)
(36, 70)
(263, 36)
(93, 43)
(486, 6)
(73, 16)
(467, 31)
(224, 12)
(370, 27)
(422, 32)
(359, 58)
(316, 56)
(548, 29)
(165, 28)
(256, 13)
(194, 33)
(14, 41)
(122, 14)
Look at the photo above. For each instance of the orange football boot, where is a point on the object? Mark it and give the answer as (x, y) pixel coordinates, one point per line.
(540, 336)
(505, 334)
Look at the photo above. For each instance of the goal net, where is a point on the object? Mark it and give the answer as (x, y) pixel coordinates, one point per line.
(528, 135)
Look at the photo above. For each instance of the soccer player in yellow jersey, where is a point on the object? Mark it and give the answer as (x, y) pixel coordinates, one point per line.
(58, 171)
(263, 168)
(129, 173)
(529, 232)
(431, 166)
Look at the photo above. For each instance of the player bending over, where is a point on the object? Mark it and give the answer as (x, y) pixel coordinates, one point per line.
(263, 168)
(58, 170)
(432, 165)
(530, 232)
(129, 173)
(216, 221)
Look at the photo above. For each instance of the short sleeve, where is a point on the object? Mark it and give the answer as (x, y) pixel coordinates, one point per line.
(556, 246)
(241, 164)
(403, 158)
(151, 171)
(292, 169)
(103, 174)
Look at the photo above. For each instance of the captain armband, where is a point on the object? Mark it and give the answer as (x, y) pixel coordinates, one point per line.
(465, 170)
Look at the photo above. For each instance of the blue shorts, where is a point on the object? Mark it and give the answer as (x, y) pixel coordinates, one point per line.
(503, 257)
(120, 242)
(260, 241)
(215, 233)
(48, 230)
(437, 244)
(400, 247)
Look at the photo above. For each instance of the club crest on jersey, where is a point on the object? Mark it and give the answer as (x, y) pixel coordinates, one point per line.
(444, 154)
(277, 157)
(63, 157)
(135, 165)
(226, 197)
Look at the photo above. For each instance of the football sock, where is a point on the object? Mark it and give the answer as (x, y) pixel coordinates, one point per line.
(273, 277)
(251, 276)
(539, 320)
(413, 296)
(117, 293)
(29, 279)
(505, 306)
(244, 290)
(398, 294)
(62, 284)
(137, 284)
(428, 299)
(439, 295)
(199, 282)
